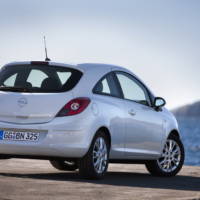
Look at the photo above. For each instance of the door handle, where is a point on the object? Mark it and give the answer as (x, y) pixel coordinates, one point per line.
(132, 112)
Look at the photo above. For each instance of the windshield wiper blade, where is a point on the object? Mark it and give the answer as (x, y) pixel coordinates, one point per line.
(14, 89)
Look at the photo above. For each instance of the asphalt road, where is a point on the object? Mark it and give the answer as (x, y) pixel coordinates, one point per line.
(36, 179)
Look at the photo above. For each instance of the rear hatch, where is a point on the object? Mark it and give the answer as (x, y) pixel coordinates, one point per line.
(34, 93)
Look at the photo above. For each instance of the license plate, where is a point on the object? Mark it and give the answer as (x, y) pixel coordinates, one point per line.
(19, 135)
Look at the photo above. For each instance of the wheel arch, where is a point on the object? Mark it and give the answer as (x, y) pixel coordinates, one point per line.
(174, 132)
(169, 133)
(107, 132)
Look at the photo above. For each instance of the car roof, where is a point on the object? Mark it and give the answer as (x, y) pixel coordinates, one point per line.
(88, 66)
(97, 68)
(81, 66)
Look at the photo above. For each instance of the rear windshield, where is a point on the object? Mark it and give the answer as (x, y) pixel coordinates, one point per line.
(38, 78)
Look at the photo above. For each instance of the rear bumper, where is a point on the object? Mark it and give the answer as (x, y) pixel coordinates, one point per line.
(58, 138)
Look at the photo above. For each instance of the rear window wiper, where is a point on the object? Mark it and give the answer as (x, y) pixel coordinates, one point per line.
(14, 89)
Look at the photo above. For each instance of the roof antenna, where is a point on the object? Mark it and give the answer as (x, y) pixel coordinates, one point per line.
(45, 46)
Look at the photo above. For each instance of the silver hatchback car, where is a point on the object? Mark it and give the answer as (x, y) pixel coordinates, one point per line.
(85, 116)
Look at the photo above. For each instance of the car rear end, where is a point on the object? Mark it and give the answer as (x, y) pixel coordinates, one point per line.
(38, 112)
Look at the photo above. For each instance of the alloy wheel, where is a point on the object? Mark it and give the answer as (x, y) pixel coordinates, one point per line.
(100, 155)
(171, 156)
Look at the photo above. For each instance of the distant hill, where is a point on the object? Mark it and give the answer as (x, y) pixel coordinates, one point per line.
(191, 110)
(188, 118)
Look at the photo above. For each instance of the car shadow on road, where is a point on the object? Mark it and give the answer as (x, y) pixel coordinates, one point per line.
(128, 179)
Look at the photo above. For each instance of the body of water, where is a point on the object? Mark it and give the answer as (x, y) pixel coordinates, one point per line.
(190, 133)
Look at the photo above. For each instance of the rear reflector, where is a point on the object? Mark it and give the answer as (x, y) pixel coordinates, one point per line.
(74, 107)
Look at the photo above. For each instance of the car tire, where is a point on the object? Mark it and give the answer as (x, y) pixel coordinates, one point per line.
(171, 161)
(95, 163)
(64, 165)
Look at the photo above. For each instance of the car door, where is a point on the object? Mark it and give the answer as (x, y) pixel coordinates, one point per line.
(143, 124)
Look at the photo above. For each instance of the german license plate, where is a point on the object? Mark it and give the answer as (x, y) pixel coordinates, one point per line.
(19, 135)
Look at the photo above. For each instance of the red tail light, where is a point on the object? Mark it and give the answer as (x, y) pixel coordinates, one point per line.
(74, 107)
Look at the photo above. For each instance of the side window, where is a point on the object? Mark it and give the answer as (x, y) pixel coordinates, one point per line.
(107, 86)
(10, 82)
(133, 89)
(36, 77)
(103, 85)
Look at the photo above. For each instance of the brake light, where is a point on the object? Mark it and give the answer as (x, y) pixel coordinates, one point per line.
(39, 63)
(74, 107)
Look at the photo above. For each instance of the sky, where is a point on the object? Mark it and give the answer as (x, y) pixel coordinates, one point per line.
(158, 40)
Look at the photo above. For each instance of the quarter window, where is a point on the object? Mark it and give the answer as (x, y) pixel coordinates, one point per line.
(107, 86)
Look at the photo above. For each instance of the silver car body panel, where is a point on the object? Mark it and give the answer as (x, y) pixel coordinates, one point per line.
(139, 136)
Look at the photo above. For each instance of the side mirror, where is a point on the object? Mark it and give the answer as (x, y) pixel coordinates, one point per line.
(159, 102)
